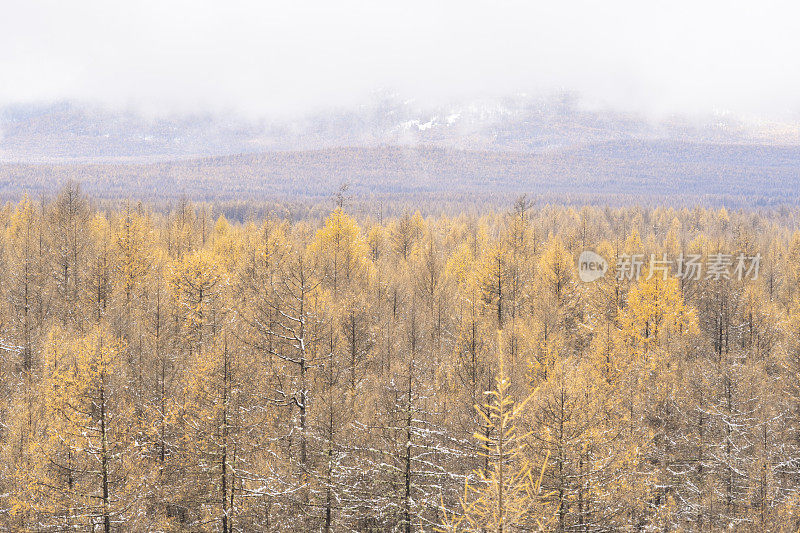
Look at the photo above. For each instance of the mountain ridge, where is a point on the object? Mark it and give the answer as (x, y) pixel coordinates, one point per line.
(74, 131)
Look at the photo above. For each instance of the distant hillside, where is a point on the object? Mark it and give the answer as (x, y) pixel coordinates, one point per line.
(612, 171)
(78, 132)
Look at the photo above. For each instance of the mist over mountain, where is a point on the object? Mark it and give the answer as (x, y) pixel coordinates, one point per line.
(397, 150)
(74, 131)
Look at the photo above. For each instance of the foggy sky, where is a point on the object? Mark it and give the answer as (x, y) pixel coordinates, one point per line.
(300, 55)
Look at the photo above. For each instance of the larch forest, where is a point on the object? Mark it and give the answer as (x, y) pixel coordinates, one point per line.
(171, 370)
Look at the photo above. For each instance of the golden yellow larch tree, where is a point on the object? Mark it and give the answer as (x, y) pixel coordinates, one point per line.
(505, 495)
(133, 252)
(657, 328)
(211, 414)
(84, 472)
(405, 234)
(342, 250)
(68, 238)
(556, 309)
(99, 279)
(494, 280)
(198, 282)
(24, 283)
(655, 313)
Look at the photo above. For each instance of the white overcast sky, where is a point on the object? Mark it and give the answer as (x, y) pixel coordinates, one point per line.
(296, 55)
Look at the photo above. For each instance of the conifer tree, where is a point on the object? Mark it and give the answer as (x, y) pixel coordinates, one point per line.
(505, 495)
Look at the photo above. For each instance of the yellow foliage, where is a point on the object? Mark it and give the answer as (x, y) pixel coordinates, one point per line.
(655, 310)
(505, 496)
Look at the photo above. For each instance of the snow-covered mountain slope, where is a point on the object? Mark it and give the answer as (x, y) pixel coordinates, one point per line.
(69, 131)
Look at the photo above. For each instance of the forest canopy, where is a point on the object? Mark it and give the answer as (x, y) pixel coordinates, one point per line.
(172, 370)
